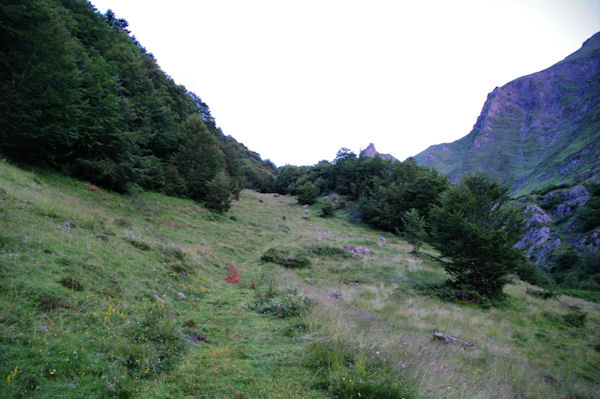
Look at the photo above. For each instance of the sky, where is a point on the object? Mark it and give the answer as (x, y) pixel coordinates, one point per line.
(297, 80)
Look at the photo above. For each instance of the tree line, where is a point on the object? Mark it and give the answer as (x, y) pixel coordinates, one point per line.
(80, 95)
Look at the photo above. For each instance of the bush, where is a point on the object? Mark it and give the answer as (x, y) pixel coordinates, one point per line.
(414, 229)
(286, 304)
(325, 250)
(72, 283)
(327, 210)
(219, 193)
(476, 231)
(575, 318)
(531, 273)
(541, 293)
(287, 257)
(307, 194)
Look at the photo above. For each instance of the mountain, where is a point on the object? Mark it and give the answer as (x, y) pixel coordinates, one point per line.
(538, 130)
(371, 152)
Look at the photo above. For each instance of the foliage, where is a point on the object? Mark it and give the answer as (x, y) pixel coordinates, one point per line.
(589, 215)
(288, 303)
(327, 210)
(326, 250)
(414, 229)
(542, 293)
(476, 231)
(80, 95)
(307, 194)
(287, 257)
(530, 272)
(575, 318)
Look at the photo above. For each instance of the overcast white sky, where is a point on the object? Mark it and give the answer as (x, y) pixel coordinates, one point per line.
(297, 80)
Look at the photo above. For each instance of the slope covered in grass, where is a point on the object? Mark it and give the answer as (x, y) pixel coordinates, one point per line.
(103, 295)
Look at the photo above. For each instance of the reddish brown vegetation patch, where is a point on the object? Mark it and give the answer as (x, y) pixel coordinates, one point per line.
(234, 276)
(94, 188)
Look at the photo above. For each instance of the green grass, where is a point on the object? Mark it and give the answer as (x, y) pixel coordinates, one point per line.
(128, 299)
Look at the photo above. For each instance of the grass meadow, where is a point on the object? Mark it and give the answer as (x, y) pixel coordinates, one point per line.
(104, 295)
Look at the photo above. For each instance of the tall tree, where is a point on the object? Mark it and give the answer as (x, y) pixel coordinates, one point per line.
(475, 230)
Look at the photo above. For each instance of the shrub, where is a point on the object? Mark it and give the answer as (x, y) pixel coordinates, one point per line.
(325, 250)
(327, 210)
(575, 318)
(544, 294)
(219, 193)
(414, 229)
(288, 257)
(286, 304)
(72, 282)
(531, 273)
(307, 194)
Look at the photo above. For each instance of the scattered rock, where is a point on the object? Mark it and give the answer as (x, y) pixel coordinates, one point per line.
(309, 281)
(159, 298)
(356, 250)
(305, 217)
(197, 338)
(67, 226)
(450, 338)
(334, 294)
(131, 235)
(304, 206)
(382, 239)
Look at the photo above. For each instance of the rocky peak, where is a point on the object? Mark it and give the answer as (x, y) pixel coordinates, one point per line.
(371, 152)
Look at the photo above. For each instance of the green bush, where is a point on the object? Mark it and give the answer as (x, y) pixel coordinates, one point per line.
(541, 293)
(327, 210)
(531, 273)
(326, 250)
(72, 283)
(414, 229)
(286, 304)
(287, 257)
(307, 194)
(575, 318)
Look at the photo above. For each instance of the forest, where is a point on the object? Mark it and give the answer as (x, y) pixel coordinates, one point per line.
(79, 94)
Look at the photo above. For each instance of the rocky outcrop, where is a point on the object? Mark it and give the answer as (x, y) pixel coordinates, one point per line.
(538, 127)
(554, 222)
(537, 241)
(371, 152)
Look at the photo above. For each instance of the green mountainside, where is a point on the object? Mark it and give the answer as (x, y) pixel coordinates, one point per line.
(107, 295)
(539, 130)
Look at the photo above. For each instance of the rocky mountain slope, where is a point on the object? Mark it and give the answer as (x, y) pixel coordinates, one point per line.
(537, 130)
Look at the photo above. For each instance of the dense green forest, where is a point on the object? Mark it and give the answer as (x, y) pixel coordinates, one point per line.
(80, 95)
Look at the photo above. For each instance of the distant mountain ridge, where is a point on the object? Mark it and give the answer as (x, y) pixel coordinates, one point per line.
(536, 130)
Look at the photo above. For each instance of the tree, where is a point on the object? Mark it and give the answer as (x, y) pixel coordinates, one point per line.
(307, 194)
(414, 229)
(475, 230)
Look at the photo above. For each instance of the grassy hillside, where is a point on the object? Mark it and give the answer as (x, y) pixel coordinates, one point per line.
(103, 295)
